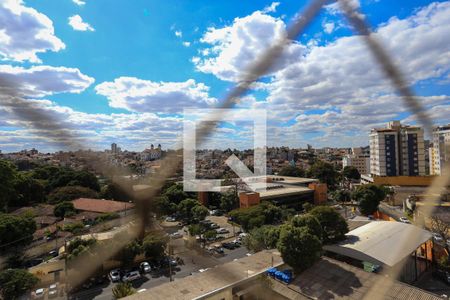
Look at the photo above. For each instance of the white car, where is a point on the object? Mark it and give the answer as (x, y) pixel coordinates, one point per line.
(170, 219)
(176, 235)
(437, 238)
(222, 230)
(405, 220)
(114, 275)
(39, 293)
(131, 276)
(141, 290)
(53, 291)
(145, 267)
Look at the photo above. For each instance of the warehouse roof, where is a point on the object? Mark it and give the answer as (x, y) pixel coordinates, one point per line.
(381, 242)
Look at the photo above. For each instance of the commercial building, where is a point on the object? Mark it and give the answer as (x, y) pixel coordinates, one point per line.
(440, 152)
(359, 159)
(101, 205)
(397, 150)
(395, 247)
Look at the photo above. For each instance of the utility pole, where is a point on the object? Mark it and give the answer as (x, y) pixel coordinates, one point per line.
(66, 278)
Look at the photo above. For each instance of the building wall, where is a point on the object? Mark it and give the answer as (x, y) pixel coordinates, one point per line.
(320, 192)
(248, 199)
(357, 159)
(203, 198)
(397, 151)
(401, 180)
(441, 148)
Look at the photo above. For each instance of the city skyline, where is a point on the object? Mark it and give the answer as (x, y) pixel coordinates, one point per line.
(125, 75)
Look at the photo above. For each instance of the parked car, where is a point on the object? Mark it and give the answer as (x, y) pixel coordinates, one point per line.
(404, 220)
(219, 250)
(442, 275)
(214, 226)
(130, 276)
(145, 267)
(222, 230)
(170, 219)
(53, 253)
(229, 245)
(114, 275)
(53, 290)
(437, 238)
(176, 235)
(39, 293)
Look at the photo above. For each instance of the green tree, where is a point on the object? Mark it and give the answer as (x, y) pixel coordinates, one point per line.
(16, 282)
(369, 197)
(210, 234)
(115, 191)
(310, 222)
(298, 247)
(185, 208)
(325, 172)
(199, 212)
(292, 171)
(154, 246)
(307, 206)
(130, 251)
(334, 226)
(69, 193)
(28, 190)
(175, 193)
(123, 289)
(264, 237)
(64, 209)
(228, 201)
(16, 230)
(8, 176)
(256, 216)
(350, 172)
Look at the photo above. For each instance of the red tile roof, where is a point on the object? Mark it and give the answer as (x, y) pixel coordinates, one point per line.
(101, 205)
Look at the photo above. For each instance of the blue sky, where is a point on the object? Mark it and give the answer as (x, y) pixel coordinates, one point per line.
(122, 71)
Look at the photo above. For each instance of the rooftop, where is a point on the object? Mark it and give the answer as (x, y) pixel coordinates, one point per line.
(101, 205)
(332, 279)
(284, 191)
(214, 279)
(369, 242)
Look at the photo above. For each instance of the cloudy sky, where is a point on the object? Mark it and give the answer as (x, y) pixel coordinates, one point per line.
(123, 71)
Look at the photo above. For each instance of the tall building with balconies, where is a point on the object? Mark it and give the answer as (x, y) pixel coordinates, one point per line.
(359, 159)
(397, 150)
(440, 150)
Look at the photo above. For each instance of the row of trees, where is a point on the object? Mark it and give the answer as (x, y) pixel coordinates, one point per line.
(324, 171)
(300, 239)
(368, 197)
(44, 183)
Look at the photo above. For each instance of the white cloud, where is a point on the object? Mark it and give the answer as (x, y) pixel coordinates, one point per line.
(25, 32)
(271, 8)
(79, 2)
(187, 44)
(77, 23)
(234, 47)
(178, 33)
(334, 9)
(39, 81)
(340, 77)
(139, 95)
(328, 27)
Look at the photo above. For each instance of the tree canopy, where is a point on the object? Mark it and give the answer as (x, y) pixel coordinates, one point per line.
(351, 172)
(292, 171)
(154, 246)
(369, 197)
(309, 221)
(299, 248)
(64, 209)
(17, 230)
(16, 282)
(334, 226)
(69, 193)
(256, 216)
(264, 237)
(325, 172)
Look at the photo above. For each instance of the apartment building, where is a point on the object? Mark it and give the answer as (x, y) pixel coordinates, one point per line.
(359, 159)
(397, 150)
(440, 151)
